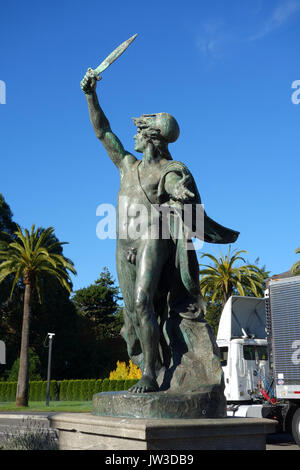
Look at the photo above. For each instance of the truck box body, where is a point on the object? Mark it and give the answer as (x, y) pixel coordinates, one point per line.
(283, 319)
(259, 343)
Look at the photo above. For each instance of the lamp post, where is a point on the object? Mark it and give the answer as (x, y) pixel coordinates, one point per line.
(50, 336)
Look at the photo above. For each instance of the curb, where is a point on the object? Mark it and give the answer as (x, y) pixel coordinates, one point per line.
(20, 416)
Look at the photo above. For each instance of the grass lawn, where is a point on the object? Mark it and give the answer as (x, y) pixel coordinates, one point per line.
(56, 406)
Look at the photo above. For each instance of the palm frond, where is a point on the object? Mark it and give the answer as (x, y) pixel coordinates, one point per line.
(35, 251)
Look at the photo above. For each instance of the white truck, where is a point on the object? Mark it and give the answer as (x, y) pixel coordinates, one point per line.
(259, 343)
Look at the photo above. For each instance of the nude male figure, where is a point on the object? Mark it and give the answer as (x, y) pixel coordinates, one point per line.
(158, 277)
(146, 257)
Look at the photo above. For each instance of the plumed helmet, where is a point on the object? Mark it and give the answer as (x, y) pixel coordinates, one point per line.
(163, 124)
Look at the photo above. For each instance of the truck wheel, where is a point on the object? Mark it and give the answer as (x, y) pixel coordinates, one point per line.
(296, 426)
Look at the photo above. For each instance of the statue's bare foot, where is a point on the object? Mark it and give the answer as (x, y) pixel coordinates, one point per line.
(144, 385)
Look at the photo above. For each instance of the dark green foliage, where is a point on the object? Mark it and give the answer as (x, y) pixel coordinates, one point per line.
(213, 313)
(87, 342)
(63, 386)
(34, 368)
(112, 385)
(8, 391)
(54, 390)
(98, 386)
(221, 279)
(84, 390)
(71, 392)
(129, 383)
(99, 304)
(91, 385)
(120, 385)
(105, 385)
(65, 390)
(6, 223)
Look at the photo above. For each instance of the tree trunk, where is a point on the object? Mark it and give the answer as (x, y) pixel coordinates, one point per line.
(23, 377)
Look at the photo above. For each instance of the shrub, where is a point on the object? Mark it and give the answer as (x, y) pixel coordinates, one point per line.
(65, 390)
(98, 386)
(34, 368)
(105, 385)
(84, 390)
(125, 372)
(120, 385)
(69, 391)
(91, 385)
(63, 384)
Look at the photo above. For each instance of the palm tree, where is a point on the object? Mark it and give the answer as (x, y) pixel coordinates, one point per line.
(296, 266)
(29, 257)
(223, 279)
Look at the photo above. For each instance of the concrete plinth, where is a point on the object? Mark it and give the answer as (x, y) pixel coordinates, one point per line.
(208, 402)
(81, 431)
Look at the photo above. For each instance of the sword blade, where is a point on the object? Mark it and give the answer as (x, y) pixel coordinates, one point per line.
(114, 55)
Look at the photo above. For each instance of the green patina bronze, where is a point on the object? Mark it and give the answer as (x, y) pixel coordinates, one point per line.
(164, 326)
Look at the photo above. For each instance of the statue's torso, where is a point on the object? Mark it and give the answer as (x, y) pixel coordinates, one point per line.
(138, 191)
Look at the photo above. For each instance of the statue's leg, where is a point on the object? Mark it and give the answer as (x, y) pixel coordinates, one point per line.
(151, 259)
(127, 276)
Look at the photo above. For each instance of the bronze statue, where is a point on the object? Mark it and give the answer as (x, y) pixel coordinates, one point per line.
(158, 275)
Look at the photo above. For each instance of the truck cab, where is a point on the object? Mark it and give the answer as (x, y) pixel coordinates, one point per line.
(243, 349)
(259, 343)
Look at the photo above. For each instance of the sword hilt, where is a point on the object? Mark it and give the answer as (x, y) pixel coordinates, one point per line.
(94, 73)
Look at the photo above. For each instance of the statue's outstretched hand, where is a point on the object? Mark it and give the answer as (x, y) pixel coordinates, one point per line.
(181, 192)
(89, 82)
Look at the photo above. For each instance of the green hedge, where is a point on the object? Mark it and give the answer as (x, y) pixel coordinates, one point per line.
(65, 390)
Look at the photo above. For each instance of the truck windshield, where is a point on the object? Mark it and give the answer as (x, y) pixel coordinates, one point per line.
(251, 353)
(223, 355)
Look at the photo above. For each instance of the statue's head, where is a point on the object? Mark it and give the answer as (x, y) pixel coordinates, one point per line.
(158, 129)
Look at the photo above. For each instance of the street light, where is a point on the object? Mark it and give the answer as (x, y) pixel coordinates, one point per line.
(50, 336)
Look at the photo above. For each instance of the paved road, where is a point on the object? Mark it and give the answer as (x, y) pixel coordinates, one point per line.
(11, 420)
(281, 441)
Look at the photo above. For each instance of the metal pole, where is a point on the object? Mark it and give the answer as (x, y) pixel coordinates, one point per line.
(49, 368)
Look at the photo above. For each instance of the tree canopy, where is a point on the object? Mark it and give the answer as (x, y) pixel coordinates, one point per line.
(223, 278)
(99, 303)
(228, 275)
(26, 256)
(295, 269)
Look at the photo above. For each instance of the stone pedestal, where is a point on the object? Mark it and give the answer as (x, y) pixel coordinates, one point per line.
(208, 402)
(81, 431)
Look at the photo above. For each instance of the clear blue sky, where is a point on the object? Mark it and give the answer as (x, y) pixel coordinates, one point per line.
(224, 69)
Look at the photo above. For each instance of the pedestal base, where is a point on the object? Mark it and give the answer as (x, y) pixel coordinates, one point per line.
(81, 431)
(208, 402)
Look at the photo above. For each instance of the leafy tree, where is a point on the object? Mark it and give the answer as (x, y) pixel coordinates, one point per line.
(295, 269)
(99, 304)
(6, 222)
(7, 226)
(223, 278)
(213, 312)
(125, 372)
(9, 307)
(100, 318)
(29, 256)
(34, 368)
